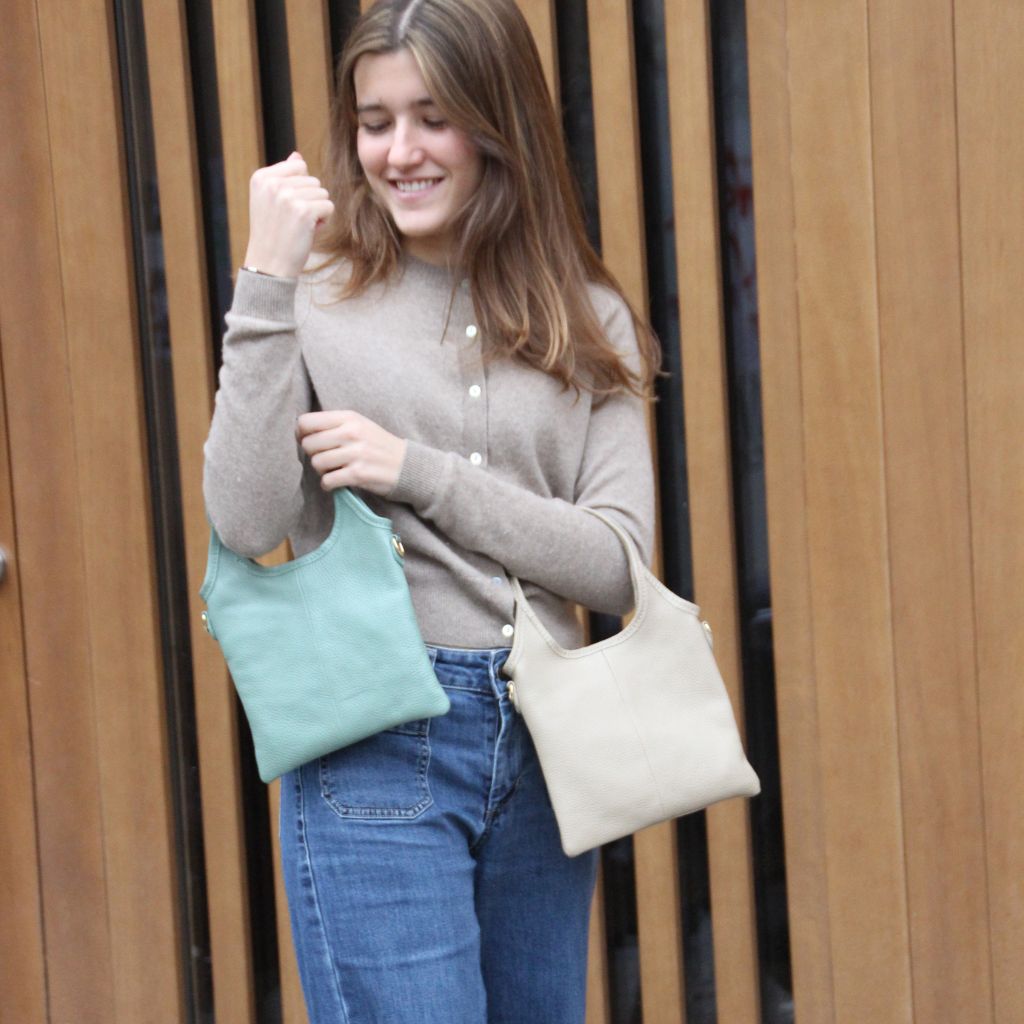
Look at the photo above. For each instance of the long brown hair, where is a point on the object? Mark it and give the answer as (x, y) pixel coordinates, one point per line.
(521, 238)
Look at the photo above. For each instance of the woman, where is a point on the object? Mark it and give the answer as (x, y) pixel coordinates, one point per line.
(456, 352)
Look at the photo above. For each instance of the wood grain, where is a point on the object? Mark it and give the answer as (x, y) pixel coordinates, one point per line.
(309, 61)
(293, 1005)
(49, 544)
(617, 145)
(916, 218)
(192, 367)
(708, 459)
(22, 958)
(847, 531)
(540, 16)
(109, 431)
(989, 43)
(241, 123)
(599, 1010)
(783, 414)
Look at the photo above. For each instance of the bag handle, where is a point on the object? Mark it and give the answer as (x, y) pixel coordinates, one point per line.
(636, 573)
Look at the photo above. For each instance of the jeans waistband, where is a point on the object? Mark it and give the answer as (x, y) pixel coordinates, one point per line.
(473, 668)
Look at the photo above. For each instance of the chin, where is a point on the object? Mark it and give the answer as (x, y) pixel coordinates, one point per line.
(418, 229)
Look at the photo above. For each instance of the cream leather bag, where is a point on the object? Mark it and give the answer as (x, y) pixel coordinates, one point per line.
(635, 729)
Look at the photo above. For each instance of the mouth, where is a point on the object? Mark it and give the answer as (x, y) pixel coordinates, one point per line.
(413, 186)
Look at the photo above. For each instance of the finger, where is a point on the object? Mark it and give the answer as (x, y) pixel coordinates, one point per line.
(321, 441)
(326, 419)
(339, 478)
(330, 459)
(323, 210)
(297, 182)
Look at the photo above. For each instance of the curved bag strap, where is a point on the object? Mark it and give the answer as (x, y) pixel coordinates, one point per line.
(636, 572)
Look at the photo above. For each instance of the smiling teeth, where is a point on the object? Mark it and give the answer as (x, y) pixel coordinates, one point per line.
(416, 186)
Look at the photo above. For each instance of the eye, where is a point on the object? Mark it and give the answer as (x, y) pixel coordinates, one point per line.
(435, 123)
(373, 127)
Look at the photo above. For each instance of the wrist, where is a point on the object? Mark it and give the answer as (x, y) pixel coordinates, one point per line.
(268, 267)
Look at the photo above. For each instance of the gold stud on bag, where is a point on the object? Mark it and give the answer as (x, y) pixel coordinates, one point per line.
(635, 729)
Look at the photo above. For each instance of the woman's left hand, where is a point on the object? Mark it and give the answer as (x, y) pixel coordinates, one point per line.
(348, 450)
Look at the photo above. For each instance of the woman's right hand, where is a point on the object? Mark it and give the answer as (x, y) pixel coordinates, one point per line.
(286, 205)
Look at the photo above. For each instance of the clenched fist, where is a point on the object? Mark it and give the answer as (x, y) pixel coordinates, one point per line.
(348, 450)
(286, 205)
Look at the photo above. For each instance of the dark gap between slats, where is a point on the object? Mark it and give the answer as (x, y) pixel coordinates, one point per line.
(168, 531)
(275, 80)
(255, 805)
(659, 217)
(739, 278)
(342, 15)
(213, 194)
(617, 861)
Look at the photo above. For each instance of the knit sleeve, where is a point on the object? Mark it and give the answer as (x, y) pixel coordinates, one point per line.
(252, 471)
(552, 542)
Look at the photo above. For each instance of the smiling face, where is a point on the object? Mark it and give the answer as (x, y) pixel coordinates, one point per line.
(423, 169)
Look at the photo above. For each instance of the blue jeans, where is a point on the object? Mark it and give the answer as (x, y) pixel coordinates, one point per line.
(425, 878)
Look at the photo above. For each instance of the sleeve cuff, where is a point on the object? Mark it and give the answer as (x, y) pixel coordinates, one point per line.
(422, 477)
(262, 297)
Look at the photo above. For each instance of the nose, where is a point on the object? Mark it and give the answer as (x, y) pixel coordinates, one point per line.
(405, 149)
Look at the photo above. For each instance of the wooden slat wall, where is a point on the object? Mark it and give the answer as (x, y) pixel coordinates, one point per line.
(782, 403)
(889, 258)
(702, 330)
(913, 140)
(77, 437)
(889, 240)
(102, 367)
(65, 773)
(309, 64)
(620, 202)
(22, 964)
(192, 364)
(989, 45)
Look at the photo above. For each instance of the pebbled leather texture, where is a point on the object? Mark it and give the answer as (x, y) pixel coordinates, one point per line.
(635, 729)
(324, 650)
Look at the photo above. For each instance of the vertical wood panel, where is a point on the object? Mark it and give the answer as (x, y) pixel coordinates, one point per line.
(293, 1006)
(599, 1010)
(80, 68)
(540, 16)
(49, 544)
(617, 148)
(617, 145)
(22, 966)
(708, 459)
(241, 124)
(309, 60)
(782, 402)
(848, 540)
(914, 146)
(192, 365)
(989, 40)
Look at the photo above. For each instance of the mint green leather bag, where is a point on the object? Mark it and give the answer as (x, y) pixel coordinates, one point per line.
(323, 650)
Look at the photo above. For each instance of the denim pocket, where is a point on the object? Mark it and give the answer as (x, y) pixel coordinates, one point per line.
(383, 777)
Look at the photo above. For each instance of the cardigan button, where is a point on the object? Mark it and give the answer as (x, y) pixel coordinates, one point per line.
(474, 391)
(476, 458)
(471, 331)
(507, 630)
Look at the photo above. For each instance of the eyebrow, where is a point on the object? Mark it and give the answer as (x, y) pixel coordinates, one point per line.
(366, 108)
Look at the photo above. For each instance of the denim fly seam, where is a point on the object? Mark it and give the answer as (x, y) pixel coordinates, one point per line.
(468, 665)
